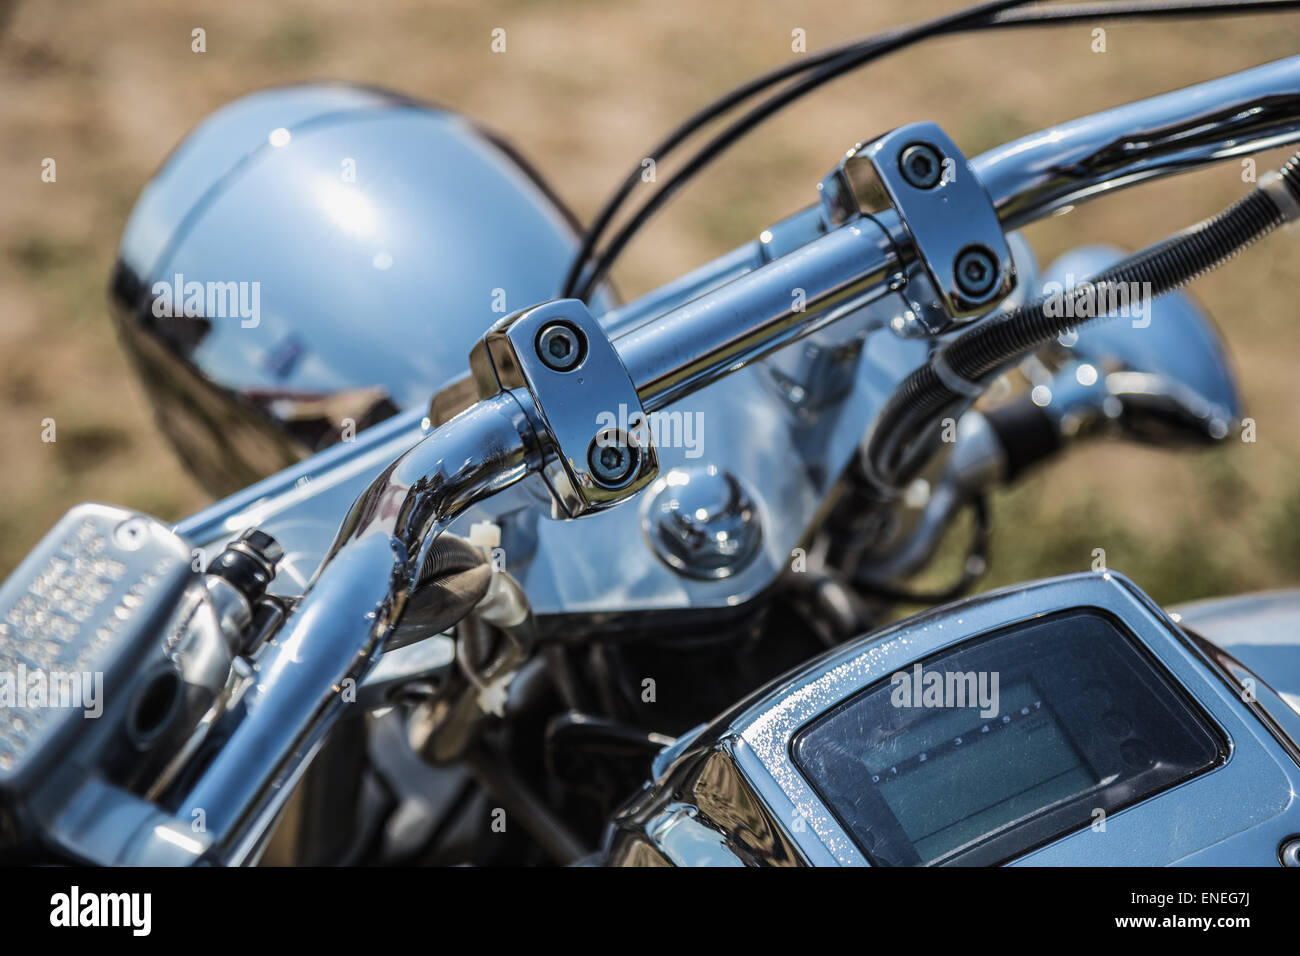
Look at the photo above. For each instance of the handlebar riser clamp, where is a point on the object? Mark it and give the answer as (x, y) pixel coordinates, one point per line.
(562, 366)
(949, 222)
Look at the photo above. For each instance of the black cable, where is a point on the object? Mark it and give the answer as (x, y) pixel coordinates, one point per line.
(676, 138)
(927, 395)
(692, 125)
(854, 58)
(838, 60)
(1138, 9)
(835, 63)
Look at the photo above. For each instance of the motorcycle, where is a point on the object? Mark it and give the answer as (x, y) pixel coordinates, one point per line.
(621, 588)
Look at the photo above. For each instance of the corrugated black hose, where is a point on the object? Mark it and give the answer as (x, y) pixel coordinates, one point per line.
(959, 371)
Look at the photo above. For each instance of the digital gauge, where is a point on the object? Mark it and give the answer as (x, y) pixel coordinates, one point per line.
(1004, 742)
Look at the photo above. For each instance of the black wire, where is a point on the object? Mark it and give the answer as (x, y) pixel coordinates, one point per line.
(1083, 12)
(693, 124)
(859, 55)
(839, 60)
(678, 136)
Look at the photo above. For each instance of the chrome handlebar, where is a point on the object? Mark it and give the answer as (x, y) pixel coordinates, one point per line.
(354, 600)
(1235, 115)
(360, 591)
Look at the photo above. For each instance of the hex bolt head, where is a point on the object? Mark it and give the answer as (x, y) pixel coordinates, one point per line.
(262, 544)
(249, 563)
(612, 458)
(976, 271)
(559, 346)
(921, 165)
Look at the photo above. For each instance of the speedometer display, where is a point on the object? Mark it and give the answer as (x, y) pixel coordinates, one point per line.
(952, 746)
(1004, 743)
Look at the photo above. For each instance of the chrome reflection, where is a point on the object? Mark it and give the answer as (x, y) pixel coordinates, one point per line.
(1160, 375)
(313, 259)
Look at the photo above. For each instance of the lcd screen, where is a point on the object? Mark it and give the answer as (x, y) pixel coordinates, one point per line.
(1002, 742)
(1013, 763)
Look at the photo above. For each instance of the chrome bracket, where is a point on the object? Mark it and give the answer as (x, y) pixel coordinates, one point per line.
(557, 359)
(949, 222)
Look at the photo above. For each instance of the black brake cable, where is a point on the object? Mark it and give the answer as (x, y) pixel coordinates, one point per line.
(837, 59)
(832, 63)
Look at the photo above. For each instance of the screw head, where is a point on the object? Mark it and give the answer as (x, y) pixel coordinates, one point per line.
(559, 346)
(976, 271)
(131, 534)
(921, 165)
(613, 458)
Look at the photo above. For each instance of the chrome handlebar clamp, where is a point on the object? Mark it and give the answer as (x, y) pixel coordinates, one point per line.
(583, 403)
(919, 172)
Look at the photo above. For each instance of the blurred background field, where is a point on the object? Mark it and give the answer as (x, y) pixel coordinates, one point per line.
(107, 89)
